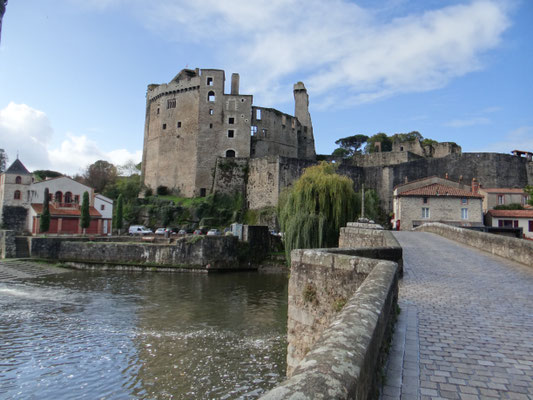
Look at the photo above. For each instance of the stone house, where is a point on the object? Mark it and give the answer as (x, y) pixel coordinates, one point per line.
(436, 199)
(21, 202)
(502, 196)
(191, 122)
(512, 219)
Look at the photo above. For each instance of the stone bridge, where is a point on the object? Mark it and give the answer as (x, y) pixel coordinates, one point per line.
(466, 326)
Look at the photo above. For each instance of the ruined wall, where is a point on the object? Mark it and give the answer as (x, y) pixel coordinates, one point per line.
(384, 158)
(274, 133)
(231, 176)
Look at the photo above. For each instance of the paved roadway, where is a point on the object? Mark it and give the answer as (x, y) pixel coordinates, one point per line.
(465, 330)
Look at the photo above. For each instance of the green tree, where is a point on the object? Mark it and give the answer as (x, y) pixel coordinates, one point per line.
(349, 146)
(42, 174)
(44, 223)
(529, 190)
(100, 174)
(119, 214)
(312, 212)
(85, 219)
(386, 143)
(407, 137)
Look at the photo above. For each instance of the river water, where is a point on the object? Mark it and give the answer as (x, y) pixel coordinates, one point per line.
(92, 335)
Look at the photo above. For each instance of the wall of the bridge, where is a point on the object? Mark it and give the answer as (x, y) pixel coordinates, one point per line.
(519, 250)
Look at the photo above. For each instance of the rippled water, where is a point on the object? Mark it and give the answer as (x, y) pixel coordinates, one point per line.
(150, 336)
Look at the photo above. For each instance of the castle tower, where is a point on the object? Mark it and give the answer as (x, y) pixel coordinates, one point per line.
(15, 196)
(306, 143)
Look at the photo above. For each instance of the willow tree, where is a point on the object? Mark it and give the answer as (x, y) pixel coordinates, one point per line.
(312, 212)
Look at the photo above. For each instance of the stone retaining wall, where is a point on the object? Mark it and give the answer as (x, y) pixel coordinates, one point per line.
(519, 250)
(211, 253)
(8, 248)
(344, 362)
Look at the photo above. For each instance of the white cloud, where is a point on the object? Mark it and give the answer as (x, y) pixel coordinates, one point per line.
(28, 132)
(461, 123)
(344, 53)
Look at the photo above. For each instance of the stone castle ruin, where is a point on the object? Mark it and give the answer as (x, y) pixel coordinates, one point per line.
(191, 122)
(199, 140)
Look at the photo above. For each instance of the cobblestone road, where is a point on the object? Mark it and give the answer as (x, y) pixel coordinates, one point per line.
(466, 326)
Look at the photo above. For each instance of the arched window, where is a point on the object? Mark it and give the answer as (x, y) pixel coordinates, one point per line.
(230, 153)
(68, 197)
(59, 197)
(17, 195)
(18, 180)
(211, 96)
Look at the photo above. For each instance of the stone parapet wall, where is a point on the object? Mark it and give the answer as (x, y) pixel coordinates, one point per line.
(343, 362)
(519, 250)
(8, 248)
(204, 253)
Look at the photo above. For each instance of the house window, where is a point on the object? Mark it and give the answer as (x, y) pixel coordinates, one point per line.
(164, 126)
(59, 197)
(209, 81)
(506, 223)
(211, 96)
(18, 180)
(464, 213)
(464, 200)
(531, 226)
(17, 195)
(501, 199)
(68, 197)
(171, 103)
(524, 200)
(257, 114)
(425, 212)
(425, 200)
(231, 120)
(231, 133)
(230, 153)
(76, 199)
(211, 111)
(179, 124)
(102, 207)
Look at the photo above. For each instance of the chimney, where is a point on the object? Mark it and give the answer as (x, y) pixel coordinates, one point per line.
(235, 84)
(475, 186)
(446, 176)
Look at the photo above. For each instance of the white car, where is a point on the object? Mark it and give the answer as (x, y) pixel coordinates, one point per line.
(139, 230)
(213, 232)
(161, 231)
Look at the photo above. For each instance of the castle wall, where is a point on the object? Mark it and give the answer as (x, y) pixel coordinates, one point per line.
(231, 175)
(384, 158)
(274, 133)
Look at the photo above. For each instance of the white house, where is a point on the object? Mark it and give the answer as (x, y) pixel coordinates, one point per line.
(512, 219)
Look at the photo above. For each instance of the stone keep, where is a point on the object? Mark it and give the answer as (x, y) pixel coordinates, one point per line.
(190, 122)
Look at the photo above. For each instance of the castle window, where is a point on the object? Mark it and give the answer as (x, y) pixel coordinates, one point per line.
(283, 120)
(209, 81)
(211, 96)
(258, 114)
(243, 100)
(211, 111)
(254, 130)
(17, 195)
(164, 126)
(171, 103)
(230, 153)
(158, 111)
(210, 126)
(264, 132)
(18, 180)
(179, 124)
(231, 120)
(202, 192)
(231, 133)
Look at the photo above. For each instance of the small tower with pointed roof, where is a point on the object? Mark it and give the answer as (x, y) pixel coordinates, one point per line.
(15, 196)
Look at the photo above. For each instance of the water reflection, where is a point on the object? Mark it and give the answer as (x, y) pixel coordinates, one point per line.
(118, 335)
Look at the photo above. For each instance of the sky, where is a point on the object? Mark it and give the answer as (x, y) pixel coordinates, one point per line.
(74, 73)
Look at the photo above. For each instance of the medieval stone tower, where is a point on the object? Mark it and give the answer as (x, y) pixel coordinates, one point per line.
(190, 122)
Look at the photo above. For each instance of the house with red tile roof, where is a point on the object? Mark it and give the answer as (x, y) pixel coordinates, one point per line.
(21, 203)
(502, 196)
(512, 219)
(436, 199)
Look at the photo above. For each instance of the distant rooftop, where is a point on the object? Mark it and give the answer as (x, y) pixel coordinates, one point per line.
(437, 189)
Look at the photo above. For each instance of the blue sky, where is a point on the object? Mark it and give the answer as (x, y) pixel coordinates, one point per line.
(73, 73)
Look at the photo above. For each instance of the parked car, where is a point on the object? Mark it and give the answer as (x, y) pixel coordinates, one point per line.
(213, 232)
(139, 230)
(161, 231)
(198, 232)
(182, 232)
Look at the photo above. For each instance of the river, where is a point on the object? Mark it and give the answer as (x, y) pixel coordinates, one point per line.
(112, 335)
